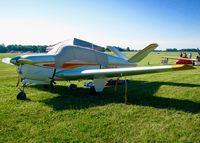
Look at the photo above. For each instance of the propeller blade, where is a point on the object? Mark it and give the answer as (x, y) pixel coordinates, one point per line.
(7, 61)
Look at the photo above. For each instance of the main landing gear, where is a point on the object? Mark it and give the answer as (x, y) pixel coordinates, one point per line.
(22, 95)
(92, 91)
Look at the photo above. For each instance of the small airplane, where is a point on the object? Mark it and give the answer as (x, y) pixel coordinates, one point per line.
(71, 62)
(182, 60)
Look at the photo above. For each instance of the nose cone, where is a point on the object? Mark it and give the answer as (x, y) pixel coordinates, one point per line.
(14, 60)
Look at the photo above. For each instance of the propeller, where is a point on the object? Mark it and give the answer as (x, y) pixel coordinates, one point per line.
(18, 61)
(7, 61)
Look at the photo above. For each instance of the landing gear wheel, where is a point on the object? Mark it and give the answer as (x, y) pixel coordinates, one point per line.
(46, 86)
(21, 96)
(92, 91)
(72, 86)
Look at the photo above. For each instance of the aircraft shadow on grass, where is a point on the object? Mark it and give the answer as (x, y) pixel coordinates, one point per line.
(139, 93)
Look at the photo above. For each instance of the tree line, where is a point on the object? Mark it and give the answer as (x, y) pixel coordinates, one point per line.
(128, 49)
(39, 48)
(183, 50)
(22, 48)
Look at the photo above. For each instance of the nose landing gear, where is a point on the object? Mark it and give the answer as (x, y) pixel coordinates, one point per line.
(22, 95)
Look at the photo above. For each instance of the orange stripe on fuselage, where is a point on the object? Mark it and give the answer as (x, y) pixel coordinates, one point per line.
(76, 65)
(70, 65)
(49, 65)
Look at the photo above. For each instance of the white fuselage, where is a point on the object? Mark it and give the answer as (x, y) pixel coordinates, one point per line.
(42, 69)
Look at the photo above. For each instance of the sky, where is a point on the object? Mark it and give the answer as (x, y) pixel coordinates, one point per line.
(125, 23)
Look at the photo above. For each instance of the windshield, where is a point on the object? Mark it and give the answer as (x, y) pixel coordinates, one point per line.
(54, 49)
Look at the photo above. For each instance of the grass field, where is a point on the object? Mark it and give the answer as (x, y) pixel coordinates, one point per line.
(162, 107)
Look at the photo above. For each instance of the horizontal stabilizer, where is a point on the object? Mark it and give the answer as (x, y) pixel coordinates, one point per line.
(143, 53)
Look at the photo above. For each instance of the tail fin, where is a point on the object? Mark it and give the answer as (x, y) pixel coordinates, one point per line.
(143, 53)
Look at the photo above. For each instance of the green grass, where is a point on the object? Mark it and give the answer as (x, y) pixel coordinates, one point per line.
(162, 107)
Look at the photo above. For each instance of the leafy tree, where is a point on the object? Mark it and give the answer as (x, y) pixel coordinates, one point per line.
(172, 50)
(128, 49)
(3, 49)
(22, 48)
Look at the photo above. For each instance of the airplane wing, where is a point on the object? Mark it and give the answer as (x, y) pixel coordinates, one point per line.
(115, 72)
(179, 58)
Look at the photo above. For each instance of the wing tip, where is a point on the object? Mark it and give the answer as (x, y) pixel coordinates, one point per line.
(182, 67)
(154, 45)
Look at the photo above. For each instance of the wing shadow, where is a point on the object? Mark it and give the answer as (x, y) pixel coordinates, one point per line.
(139, 93)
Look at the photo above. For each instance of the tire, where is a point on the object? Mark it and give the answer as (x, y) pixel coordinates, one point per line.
(92, 90)
(72, 86)
(21, 96)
